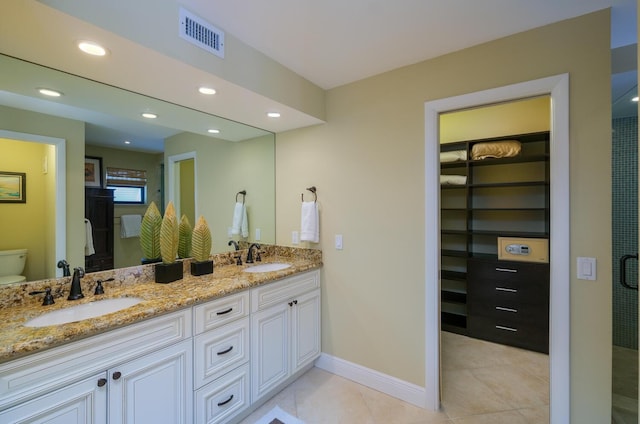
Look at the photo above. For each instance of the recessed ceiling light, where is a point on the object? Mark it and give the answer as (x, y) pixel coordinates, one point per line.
(92, 48)
(207, 90)
(149, 115)
(49, 92)
(273, 114)
(213, 131)
(635, 99)
(127, 142)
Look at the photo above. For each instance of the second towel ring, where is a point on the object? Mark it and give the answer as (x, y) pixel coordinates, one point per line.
(243, 192)
(312, 189)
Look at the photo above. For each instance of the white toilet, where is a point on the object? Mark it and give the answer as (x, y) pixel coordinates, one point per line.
(11, 265)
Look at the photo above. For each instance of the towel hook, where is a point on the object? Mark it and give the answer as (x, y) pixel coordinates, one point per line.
(244, 193)
(312, 189)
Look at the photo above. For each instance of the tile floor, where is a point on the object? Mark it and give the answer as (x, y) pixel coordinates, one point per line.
(625, 386)
(483, 383)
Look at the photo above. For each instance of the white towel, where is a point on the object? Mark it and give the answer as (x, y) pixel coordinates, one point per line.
(130, 225)
(310, 222)
(88, 238)
(240, 224)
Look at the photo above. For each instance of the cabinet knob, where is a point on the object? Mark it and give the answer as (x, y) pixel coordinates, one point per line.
(102, 382)
(295, 302)
(117, 375)
(290, 303)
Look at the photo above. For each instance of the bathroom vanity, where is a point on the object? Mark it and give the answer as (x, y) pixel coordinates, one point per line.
(206, 349)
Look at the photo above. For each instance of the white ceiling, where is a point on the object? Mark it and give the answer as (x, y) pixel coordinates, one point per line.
(335, 42)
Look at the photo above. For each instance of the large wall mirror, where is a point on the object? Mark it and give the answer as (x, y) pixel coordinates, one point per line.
(103, 125)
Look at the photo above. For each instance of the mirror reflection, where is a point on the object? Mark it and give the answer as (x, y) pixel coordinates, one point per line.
(93, 140)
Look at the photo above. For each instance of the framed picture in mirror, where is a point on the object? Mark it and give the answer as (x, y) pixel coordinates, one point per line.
(92, 171)
(13, 187)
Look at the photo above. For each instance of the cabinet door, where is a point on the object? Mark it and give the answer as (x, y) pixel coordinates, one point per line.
(305, 330)
(269, 348)
(83, 402)
(156, 388)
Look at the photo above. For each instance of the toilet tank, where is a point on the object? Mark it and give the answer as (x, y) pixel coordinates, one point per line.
(12, 261)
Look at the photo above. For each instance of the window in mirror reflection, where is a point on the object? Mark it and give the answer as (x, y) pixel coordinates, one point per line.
(129, 185)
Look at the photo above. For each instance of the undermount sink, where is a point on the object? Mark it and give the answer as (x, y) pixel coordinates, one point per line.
(82, 312)
(274, 266)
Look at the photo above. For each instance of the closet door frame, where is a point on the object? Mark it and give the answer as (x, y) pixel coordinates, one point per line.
(559, 309)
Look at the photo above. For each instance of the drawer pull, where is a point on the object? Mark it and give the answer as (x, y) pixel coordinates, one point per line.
(102, 382)
(226, 401)
(224, 312)
(502, 308)
(506, 270)
(505, 289)
(226, 351)
(500, 327)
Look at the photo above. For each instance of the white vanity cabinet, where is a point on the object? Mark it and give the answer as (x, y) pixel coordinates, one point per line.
(139, 373)
(285, 331)
(82, 402)
(221, 356)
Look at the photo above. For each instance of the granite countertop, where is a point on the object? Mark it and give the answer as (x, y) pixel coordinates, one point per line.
(17, 307)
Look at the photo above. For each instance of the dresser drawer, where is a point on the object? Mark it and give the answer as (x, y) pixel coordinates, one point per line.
(512, 274)
(506, 331)
(516, 312)
(218, 351)
(490, 281)
(280, 291)
(220, 311)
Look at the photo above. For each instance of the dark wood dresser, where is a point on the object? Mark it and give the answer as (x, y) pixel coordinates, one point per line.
(508, 303)
(98, 209)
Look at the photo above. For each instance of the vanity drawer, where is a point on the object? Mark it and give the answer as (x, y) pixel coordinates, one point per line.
(219, 351)
(220, 311)
(224, 398)
(274, 293)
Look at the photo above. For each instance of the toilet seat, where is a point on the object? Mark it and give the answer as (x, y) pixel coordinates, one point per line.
(8, 279)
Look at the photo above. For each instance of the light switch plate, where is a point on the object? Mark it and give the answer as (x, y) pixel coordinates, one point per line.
(258, 234)
(586, 268)
(295, 237)
(338, 241)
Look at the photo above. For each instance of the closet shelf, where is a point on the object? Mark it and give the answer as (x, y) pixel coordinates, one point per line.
(501, 233)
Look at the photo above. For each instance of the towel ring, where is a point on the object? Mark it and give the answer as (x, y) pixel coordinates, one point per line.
(312, 189)
(243, 192)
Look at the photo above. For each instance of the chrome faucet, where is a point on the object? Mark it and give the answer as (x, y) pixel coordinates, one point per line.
(76, 289)
(250, 253)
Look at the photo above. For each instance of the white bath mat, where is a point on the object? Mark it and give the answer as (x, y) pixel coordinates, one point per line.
(278, 416)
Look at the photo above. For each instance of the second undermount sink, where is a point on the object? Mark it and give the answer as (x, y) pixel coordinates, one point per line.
(82, 312)
(274, 266)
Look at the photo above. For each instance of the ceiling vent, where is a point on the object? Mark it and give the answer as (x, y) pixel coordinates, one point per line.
(201, 33)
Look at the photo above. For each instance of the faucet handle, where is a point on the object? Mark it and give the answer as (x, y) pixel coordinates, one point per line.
(238, 260)
(48, 297)
(258, 257)
(99, 288)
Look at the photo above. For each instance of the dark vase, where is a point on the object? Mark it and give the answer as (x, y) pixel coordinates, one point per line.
(201, 268)
(145, 261)
(168, 273)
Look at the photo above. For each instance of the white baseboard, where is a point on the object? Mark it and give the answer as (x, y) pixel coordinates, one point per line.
(391, 386)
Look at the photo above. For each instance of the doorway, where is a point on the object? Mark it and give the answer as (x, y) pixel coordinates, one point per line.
(51, 172)
(558, 88)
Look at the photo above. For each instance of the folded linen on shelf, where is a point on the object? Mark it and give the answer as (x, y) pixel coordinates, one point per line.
(496, 149)
(453, 156)
(453, 179)
(130, 225)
